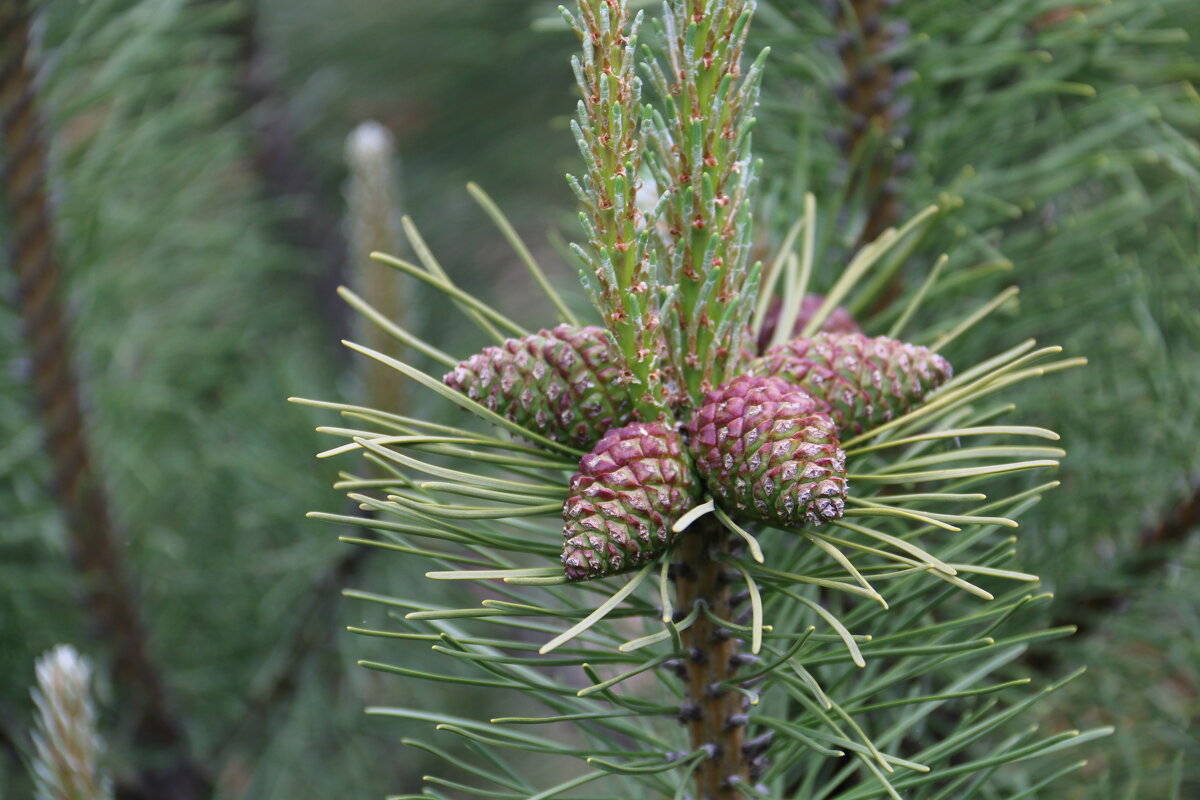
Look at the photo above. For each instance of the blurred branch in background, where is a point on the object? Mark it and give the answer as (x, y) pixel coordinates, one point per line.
(373, 223)
(307, 216)
(95, 544)
(874, 110)
(196, 317)
(67, 744)
(311, 633)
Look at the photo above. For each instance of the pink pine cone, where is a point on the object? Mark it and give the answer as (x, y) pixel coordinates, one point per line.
(865, 381)
(765, 450)
(560, 383)
(629, 491)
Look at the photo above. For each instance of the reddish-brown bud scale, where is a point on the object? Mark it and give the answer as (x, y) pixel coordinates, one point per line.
(629, 491)
(765, 450)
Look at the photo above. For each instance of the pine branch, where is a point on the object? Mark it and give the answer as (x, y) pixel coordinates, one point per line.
(714, 713)
(79, 490)
(868, 582)
(858, 620)
(869, 96)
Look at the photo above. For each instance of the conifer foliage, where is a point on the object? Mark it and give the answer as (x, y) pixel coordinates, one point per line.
(1060, 143)
(816, 544)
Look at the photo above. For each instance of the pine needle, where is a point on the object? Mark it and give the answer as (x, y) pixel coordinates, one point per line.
(600, 613)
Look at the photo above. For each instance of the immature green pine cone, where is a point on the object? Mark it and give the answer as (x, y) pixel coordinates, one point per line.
(765, 450)
(865, 380)
(561, 383)
(629, 491)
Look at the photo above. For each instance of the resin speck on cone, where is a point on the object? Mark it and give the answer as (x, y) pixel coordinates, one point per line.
(561, 383)
(629, 491)
(865, 381)
(766, 450)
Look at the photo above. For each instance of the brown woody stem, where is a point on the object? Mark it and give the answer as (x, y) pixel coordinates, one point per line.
(714, 714)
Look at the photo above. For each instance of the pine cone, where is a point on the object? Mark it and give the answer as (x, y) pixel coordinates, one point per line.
(865, 381)
(561, 383)
(765, 449)
(629, 491)
(838, 321)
